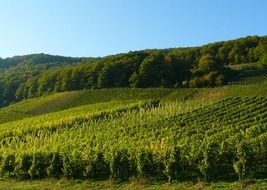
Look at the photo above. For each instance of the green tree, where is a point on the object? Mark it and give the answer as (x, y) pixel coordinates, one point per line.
(208, 63)
(151, 70)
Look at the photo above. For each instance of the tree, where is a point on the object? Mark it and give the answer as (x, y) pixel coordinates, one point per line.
(263, 61)
(207, 63)
(151, 69)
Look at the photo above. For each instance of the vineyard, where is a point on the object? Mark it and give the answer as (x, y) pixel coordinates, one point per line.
(250, 77)
(162, 134)
(172, 141)
(61, 101)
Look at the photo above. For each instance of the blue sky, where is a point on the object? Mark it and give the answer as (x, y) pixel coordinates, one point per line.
(104, 27)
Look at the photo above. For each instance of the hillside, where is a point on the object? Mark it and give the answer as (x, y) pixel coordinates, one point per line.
(210, 65)
(173, 135)
(19, 69)
(65, 100)
(163, 134)
(250, 77)
(35, 59)
(255, 86)
(99, 129)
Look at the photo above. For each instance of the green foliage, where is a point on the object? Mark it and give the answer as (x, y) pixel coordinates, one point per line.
(145, 163)
(207, 63)
(37, 75)
(8, 164)
(65, 100)
(56, 165)
(263, 60)
(97, 168)
(250, 77)
(150, 71)
(23, 163)
(172, 164)
(171, 141)
(73, 165)
(124, 133)
(120, 166)
(39, 164)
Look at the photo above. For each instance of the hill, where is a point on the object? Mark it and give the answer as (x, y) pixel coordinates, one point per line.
(35, 59)
(65, 100)
(206, 66)
(19, 69)
(162, 134)
(102, 140)
(197, 131)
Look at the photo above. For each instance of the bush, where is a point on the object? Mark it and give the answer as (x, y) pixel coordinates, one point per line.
(8, 164)
(145, 164)
(97, 168)
(172, 164)
(56, 165)
(120, 165)
(23, 163)
(40, 162)
(73, 165)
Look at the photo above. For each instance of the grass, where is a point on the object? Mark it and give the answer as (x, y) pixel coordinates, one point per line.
(65, 100)
(244, 66)
(36, 106)
(135, 184)
(218, 93)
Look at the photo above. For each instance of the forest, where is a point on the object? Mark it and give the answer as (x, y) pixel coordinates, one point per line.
(23, 77)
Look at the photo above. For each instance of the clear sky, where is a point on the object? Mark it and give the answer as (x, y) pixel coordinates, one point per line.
(104, 27)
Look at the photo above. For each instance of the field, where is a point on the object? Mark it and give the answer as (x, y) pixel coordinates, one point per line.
(132, 138)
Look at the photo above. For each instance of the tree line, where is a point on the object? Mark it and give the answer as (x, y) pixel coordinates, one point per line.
(37, 75)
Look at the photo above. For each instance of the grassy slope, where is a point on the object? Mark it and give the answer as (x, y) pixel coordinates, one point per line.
(218, 93)
(255, 80)
(36, 106)
(65, 100)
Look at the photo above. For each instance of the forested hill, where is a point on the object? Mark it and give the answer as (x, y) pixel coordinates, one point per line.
(17, 70)
(35, 75)
(36, 59)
